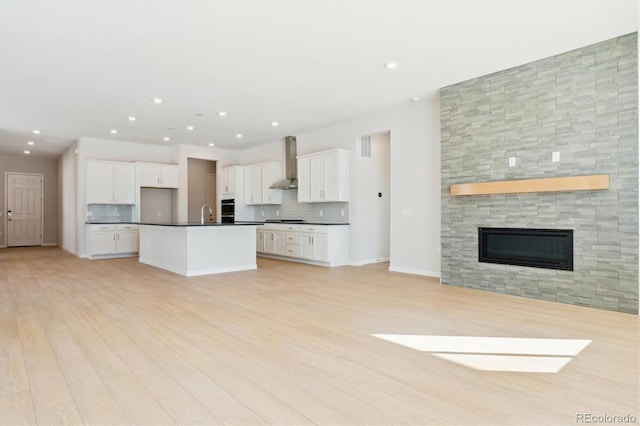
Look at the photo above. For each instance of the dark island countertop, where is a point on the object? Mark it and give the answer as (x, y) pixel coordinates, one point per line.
(240, 223)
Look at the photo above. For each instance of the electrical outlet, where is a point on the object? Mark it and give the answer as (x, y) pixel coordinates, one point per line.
(512, 161)
(341, 212)
(320, 212)
(555, 156)
(277, 212)
(262, 213)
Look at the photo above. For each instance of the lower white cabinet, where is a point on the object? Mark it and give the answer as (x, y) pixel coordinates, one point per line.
(112, 240)
(326, 245)
(313, 243)
(260, 239)
(274, 241)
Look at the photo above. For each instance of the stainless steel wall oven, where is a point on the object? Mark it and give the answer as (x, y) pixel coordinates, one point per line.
(228, 210)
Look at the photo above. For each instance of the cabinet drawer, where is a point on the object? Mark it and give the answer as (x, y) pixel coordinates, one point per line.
(292, 237)
(321, 229)
(127, 227)
(295, 228)
(274, 226)
(292, 250)
(106, 227)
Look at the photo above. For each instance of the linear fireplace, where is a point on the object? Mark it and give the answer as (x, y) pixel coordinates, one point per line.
(538, 248)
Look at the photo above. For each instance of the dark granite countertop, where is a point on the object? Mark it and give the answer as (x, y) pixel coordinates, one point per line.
(200, 224)
(244, 222)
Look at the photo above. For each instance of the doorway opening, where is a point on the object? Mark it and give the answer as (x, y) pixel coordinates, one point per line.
(373, 182)
(201, 189)
(23, 201)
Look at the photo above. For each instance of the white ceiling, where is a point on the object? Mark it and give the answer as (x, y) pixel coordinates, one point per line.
(72, 68)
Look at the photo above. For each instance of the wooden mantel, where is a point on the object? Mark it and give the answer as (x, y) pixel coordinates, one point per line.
(558, 184)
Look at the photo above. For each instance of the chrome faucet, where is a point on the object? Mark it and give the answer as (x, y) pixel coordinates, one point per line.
(202, 213)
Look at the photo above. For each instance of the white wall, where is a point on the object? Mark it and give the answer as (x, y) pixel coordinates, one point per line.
(372, 176)
(67, 195)
(415, 179)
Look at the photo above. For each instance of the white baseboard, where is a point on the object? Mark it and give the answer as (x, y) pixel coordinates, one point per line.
(412, 271)
(49, 245)
(3, 246)
(368, 261)
(73, 252)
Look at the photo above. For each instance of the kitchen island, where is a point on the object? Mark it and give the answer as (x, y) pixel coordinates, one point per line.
(192, 249)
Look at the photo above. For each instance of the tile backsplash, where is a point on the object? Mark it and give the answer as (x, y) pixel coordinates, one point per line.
(290, 209)
(109, 213)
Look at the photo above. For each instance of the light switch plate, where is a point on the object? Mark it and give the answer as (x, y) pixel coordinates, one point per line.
(512, 161)
(555, 156)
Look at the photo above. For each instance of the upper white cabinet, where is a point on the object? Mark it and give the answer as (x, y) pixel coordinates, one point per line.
(257, 180)
(110, 182)
(157, 175)
(231, 179)
(323, 176)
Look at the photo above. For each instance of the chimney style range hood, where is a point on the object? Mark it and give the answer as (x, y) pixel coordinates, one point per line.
(291, 166)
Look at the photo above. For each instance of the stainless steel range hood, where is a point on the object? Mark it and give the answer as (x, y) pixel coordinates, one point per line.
(291, 166)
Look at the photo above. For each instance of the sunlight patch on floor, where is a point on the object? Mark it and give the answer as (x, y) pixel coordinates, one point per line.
(495, 353)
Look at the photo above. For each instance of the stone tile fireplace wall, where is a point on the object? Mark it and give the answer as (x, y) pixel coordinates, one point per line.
(583, 104)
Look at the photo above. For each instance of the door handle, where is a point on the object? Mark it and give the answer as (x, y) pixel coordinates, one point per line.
(9, 213)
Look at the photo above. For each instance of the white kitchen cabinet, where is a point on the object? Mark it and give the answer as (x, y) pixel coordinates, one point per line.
(325, 245)
(260, 239)
(231, 180)
(112, 240)
(292, 240)
(257, 180)
(110, 182)
(323, 176)
(313, 243)
(152, 175)
(274, 242)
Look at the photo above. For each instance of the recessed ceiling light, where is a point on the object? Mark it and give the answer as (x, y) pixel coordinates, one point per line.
(27, 152)
(37, 132)
(157, 100)
(30, 143)
(190, 127)
(222, 113)
(212, 144)
(166, 139)
(238, 135)
(414, 99)
(390, 65)
(275, 123)
(132, 118)
(114, 131)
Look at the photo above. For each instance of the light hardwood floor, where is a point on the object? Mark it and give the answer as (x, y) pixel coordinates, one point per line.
(114, 341)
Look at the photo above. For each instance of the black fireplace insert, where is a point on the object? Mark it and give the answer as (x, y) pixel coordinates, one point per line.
(538, 248)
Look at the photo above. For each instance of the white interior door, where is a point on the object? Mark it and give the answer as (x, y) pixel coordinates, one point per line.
(24, 209)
